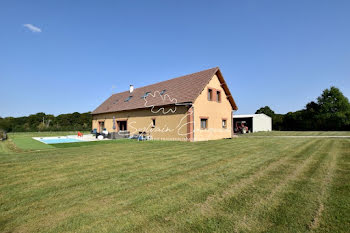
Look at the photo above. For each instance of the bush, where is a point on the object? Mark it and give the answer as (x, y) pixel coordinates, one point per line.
(3, 135)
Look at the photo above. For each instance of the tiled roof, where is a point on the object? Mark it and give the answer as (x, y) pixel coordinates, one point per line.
(183, 89)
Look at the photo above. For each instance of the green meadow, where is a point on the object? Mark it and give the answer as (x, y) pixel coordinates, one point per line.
(301, 133)
(245, 184)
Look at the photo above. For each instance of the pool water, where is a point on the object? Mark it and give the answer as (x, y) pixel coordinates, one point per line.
(59, 140)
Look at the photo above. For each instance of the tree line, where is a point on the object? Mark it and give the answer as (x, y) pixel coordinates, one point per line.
(331, 111)
(47, 122)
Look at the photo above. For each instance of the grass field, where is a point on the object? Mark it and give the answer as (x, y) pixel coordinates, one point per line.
(301, 133)
(24, 141)
(240, 185)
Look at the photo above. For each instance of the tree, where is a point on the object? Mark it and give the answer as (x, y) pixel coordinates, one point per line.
(333, 101)
(45, 122)
(277, 122)
(333, 110)
(266, 110)
(277, 119)
(5, 124)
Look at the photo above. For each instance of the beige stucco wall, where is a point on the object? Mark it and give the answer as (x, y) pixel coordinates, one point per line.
(214, 111)
(176, 124)
(170, 126)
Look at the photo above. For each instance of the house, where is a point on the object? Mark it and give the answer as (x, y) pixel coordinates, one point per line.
(254, 122)
(193, 107)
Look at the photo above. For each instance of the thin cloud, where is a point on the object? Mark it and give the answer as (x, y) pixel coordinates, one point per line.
(32, 27)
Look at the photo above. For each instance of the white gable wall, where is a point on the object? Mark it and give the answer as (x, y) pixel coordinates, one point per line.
(261, 122)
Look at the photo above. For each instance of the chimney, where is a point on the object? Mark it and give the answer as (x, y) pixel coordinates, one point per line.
(131, 88)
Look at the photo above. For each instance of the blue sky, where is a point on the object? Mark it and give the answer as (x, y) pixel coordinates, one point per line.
(66, 56)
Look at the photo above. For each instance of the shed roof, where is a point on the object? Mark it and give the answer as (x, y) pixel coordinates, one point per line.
(251, 115)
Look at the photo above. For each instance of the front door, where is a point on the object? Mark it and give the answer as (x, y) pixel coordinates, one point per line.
(122, 125)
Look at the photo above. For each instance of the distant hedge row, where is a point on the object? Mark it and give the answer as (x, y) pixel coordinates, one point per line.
(43, 122)
(331, 111)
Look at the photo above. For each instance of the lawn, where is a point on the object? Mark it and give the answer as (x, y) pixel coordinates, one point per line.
(24, 141)
(301, 133)
(244, 184)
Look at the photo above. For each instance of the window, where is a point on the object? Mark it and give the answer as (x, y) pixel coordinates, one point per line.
(224, 123)
(129, 98)
(218, 96)
(210, 94)
(204, 123)
(145, 95)
(162, 92)
(154, 122)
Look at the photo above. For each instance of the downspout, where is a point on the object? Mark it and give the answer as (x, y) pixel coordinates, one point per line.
(193, 123)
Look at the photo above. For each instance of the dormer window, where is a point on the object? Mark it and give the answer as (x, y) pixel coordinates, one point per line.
(145, 95)
(162, 92)
(127, 99)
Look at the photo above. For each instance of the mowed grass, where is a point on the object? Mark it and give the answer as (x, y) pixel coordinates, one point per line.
(24, 141)
(300, 133)
(240, 185)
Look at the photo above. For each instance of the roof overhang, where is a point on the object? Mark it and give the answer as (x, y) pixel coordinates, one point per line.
(226, 89)
(149, 107)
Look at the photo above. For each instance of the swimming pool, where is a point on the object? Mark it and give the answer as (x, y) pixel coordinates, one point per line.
(59, 140)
